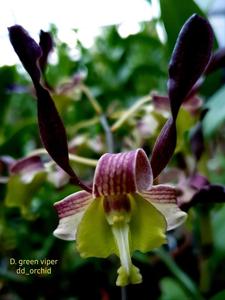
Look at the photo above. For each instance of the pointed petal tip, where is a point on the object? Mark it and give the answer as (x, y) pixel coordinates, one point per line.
(179, 218)
(63, 236)
(67, 227)
(163, 198)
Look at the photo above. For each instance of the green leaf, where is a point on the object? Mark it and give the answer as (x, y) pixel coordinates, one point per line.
(7, 77)
(94, 235)
(184, 280)
(216, 115)
(147, 225)
(20, 194)
(171, 290)
(174, 13)
(219, 296)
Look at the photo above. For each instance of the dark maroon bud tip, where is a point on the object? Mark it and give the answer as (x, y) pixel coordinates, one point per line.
(27, 50)
(189, 59)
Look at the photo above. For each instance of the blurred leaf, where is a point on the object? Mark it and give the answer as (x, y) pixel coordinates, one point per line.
(216, 114)
(7, 77)
(219, 296)
(20, 194)
(218, 225)
(187, 283)
(182, 129)
(172, 290)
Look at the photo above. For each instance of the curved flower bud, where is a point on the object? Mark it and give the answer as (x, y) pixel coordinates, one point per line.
(46, 44)
(189, 60)
(52, 130)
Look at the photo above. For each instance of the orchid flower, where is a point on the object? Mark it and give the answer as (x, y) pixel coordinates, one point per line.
(123, 211)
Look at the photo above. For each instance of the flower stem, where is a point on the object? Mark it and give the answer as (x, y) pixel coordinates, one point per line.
(206, 250)
(72, 157)
(124, 293)
(182, 277)
(130, 112)
(92, 100)
(103, 120)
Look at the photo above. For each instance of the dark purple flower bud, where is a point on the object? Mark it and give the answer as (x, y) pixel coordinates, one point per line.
(212, 193)
(46, 44)
(27, 50)
(51, 127)
(164, 147)
(189, 59)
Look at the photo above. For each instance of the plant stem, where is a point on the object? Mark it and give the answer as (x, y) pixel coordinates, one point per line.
(108, 133)
(124, 293)
(72, 157)
(92, 100)
(130, 112)
(182, 277)
(206, 250)
(102, 118)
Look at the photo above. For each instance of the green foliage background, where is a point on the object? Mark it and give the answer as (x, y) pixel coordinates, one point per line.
(118, 71)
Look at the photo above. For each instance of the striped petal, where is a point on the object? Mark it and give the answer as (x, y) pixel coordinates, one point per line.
(122, 173)
(70, 211)
(163, 197)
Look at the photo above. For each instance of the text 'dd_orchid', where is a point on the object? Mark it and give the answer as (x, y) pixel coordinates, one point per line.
(124, 213)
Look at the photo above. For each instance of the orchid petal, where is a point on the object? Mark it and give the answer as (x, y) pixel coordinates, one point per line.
(94, 235)
(70, 211)
(144, 232)
(52, 130)
(147, 225)
(123, 173)
(27, 168)
(163, 198)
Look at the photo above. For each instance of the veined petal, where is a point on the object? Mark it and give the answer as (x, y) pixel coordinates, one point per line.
(163, 197)
(122, 173)
(70, 211)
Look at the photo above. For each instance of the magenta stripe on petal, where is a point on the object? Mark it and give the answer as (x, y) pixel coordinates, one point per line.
(122, 173)
(73, 204)
(161, 193)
